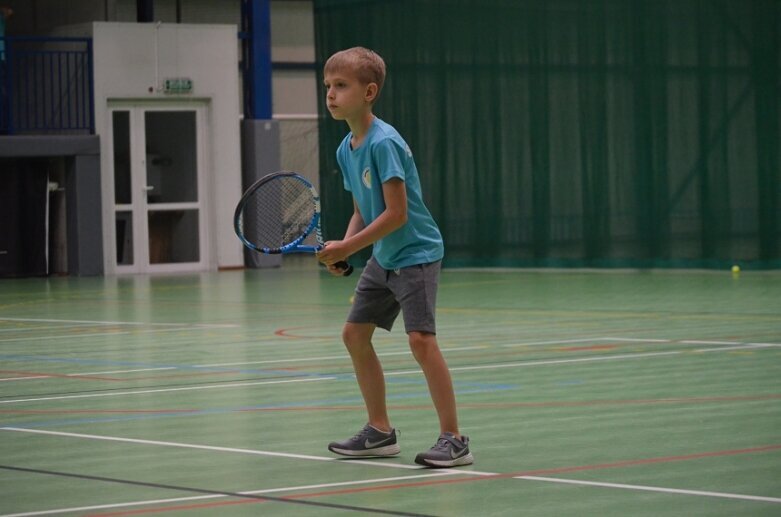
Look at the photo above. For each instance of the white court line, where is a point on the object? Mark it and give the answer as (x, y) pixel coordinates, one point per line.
(636, 340)
(579, 360)
(404, 372)
(216, 365)
(362, 462)
(220, 496)
(539, 363)
(725, 495)
(142, 323)
(89, 373)
(562, 341)
(694, 342)
(124, 371)
(253, 452)
(166, 390)
(101, 334)
(271, 361)
(47, 327)
(740, 347)
(326, 358)
(690, 342)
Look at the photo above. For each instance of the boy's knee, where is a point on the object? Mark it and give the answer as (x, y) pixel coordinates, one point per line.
(356, 335)
(349, 336)
(422, 345)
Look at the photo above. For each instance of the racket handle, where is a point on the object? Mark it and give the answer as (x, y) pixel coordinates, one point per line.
(346, 268)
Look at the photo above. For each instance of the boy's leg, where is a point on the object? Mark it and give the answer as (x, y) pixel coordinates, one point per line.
(368, 370)
(377, 438)
(428, 355)
(451, 449)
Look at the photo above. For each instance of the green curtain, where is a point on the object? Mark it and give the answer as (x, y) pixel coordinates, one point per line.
(607, 133)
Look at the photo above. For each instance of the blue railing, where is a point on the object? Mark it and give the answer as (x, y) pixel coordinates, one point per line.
(46, 85)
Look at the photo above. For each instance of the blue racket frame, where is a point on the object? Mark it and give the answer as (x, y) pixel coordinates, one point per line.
(294, 246)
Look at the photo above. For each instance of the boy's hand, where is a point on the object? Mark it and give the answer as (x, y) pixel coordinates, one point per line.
(335, 271)
(333, 252)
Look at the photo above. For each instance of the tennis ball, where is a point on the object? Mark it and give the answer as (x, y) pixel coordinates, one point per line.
(352, 299)
(736, 269)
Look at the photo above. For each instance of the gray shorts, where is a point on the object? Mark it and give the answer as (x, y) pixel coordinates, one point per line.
(381, 294)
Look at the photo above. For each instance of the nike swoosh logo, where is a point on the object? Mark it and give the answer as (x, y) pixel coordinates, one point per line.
(372, 445)
(458, 455)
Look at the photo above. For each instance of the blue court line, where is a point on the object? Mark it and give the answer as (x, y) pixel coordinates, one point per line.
(466, 387)
(99, 362)
(201, 412)
(102, 362)
(200, 369)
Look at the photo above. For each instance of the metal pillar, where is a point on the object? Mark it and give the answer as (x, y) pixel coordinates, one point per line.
(259, 132)
(256, 36)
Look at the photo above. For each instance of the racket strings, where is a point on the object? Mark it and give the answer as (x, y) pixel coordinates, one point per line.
(277, 213)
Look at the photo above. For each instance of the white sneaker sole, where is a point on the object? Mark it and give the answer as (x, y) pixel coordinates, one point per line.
(388, 450)
(467, 459)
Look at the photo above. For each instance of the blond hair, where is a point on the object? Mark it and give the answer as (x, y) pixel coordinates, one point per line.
(365, 64)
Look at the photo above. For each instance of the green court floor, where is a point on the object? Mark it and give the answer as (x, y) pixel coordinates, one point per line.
(584, 393)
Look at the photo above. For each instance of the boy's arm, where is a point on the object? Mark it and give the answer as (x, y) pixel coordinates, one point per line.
(356, 223)
(358, 237)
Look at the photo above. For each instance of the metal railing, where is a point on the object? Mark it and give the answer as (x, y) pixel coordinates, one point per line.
(46, 85)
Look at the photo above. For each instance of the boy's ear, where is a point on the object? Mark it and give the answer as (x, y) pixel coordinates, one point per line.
(371, 92)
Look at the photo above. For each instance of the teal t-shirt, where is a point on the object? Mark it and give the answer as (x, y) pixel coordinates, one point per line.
(384, 155)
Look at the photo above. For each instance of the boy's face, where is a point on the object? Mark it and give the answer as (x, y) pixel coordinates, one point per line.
(346, 97)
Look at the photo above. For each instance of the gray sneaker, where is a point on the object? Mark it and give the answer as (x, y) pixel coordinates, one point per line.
(449, 451)
(369, 441)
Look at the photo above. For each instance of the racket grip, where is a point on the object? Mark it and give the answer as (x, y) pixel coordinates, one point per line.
(346, 268)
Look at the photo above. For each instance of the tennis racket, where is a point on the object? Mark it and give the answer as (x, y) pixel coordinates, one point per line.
(280, 214)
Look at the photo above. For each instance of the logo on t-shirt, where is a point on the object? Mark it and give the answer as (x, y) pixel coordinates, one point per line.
(366, 177)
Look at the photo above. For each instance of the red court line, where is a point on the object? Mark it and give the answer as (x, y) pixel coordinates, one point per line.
(556, 470)
(131, 378)
(285, 333)
(181, 375)
(484, 355)
(608, 402)
(508, 405)
(59, 375)
(450, 480)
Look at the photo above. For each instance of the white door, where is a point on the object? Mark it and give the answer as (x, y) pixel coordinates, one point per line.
(159, 193)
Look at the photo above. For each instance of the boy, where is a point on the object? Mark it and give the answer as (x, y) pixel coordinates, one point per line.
(403, 271)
